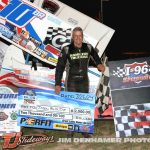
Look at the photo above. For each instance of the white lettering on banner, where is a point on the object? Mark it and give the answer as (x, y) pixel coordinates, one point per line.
(136, 140)
(90, 140)
(104, 140)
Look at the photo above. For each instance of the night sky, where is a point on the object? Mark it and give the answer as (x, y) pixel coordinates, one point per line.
(129, 19)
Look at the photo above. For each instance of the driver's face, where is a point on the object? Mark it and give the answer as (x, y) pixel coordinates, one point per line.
(77, 38)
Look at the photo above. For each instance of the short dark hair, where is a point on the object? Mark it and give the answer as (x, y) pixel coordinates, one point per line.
(77, 29)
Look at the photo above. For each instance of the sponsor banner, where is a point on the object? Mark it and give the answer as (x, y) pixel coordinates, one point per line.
(19, 25)
(130, 81)
(130, 86)
(70, 111)
(8, 111)
(131, 73)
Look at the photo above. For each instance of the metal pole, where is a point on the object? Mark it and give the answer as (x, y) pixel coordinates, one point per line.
(101, 15)
(101, 11)
(102, 20)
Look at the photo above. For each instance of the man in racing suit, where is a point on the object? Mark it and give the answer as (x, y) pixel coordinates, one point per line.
(76, 56)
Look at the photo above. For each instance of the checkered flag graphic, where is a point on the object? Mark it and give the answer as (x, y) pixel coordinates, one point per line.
(58, 37)
(103, 90)
(129, 120)
(120, 72)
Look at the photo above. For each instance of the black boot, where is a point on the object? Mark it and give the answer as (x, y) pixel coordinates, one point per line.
(70, 134)
(86, 135)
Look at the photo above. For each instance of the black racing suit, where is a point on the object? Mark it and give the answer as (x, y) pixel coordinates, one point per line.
(77, 61)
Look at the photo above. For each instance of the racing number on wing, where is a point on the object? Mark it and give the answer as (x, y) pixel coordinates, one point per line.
(19, 13)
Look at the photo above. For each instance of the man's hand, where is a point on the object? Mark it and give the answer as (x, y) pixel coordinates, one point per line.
(57, 89)
(101, 68)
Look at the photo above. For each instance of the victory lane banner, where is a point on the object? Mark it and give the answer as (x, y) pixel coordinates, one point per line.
(70, 111)
(130, 90)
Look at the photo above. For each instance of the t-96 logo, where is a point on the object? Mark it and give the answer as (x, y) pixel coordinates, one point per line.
(135, 72)
(19, 13)
(133, 69)
(137, 68)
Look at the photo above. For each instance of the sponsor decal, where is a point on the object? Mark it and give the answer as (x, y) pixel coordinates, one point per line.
(19, 13)
(29, 97)
(26, 40)
(19, 140)
(72, 21)
(57, 37)
(33, 122)
(3, 116)
(52, 49)
(13, 115)
(137, 72)
(5, 31)
(79, 56)
(60, 126)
